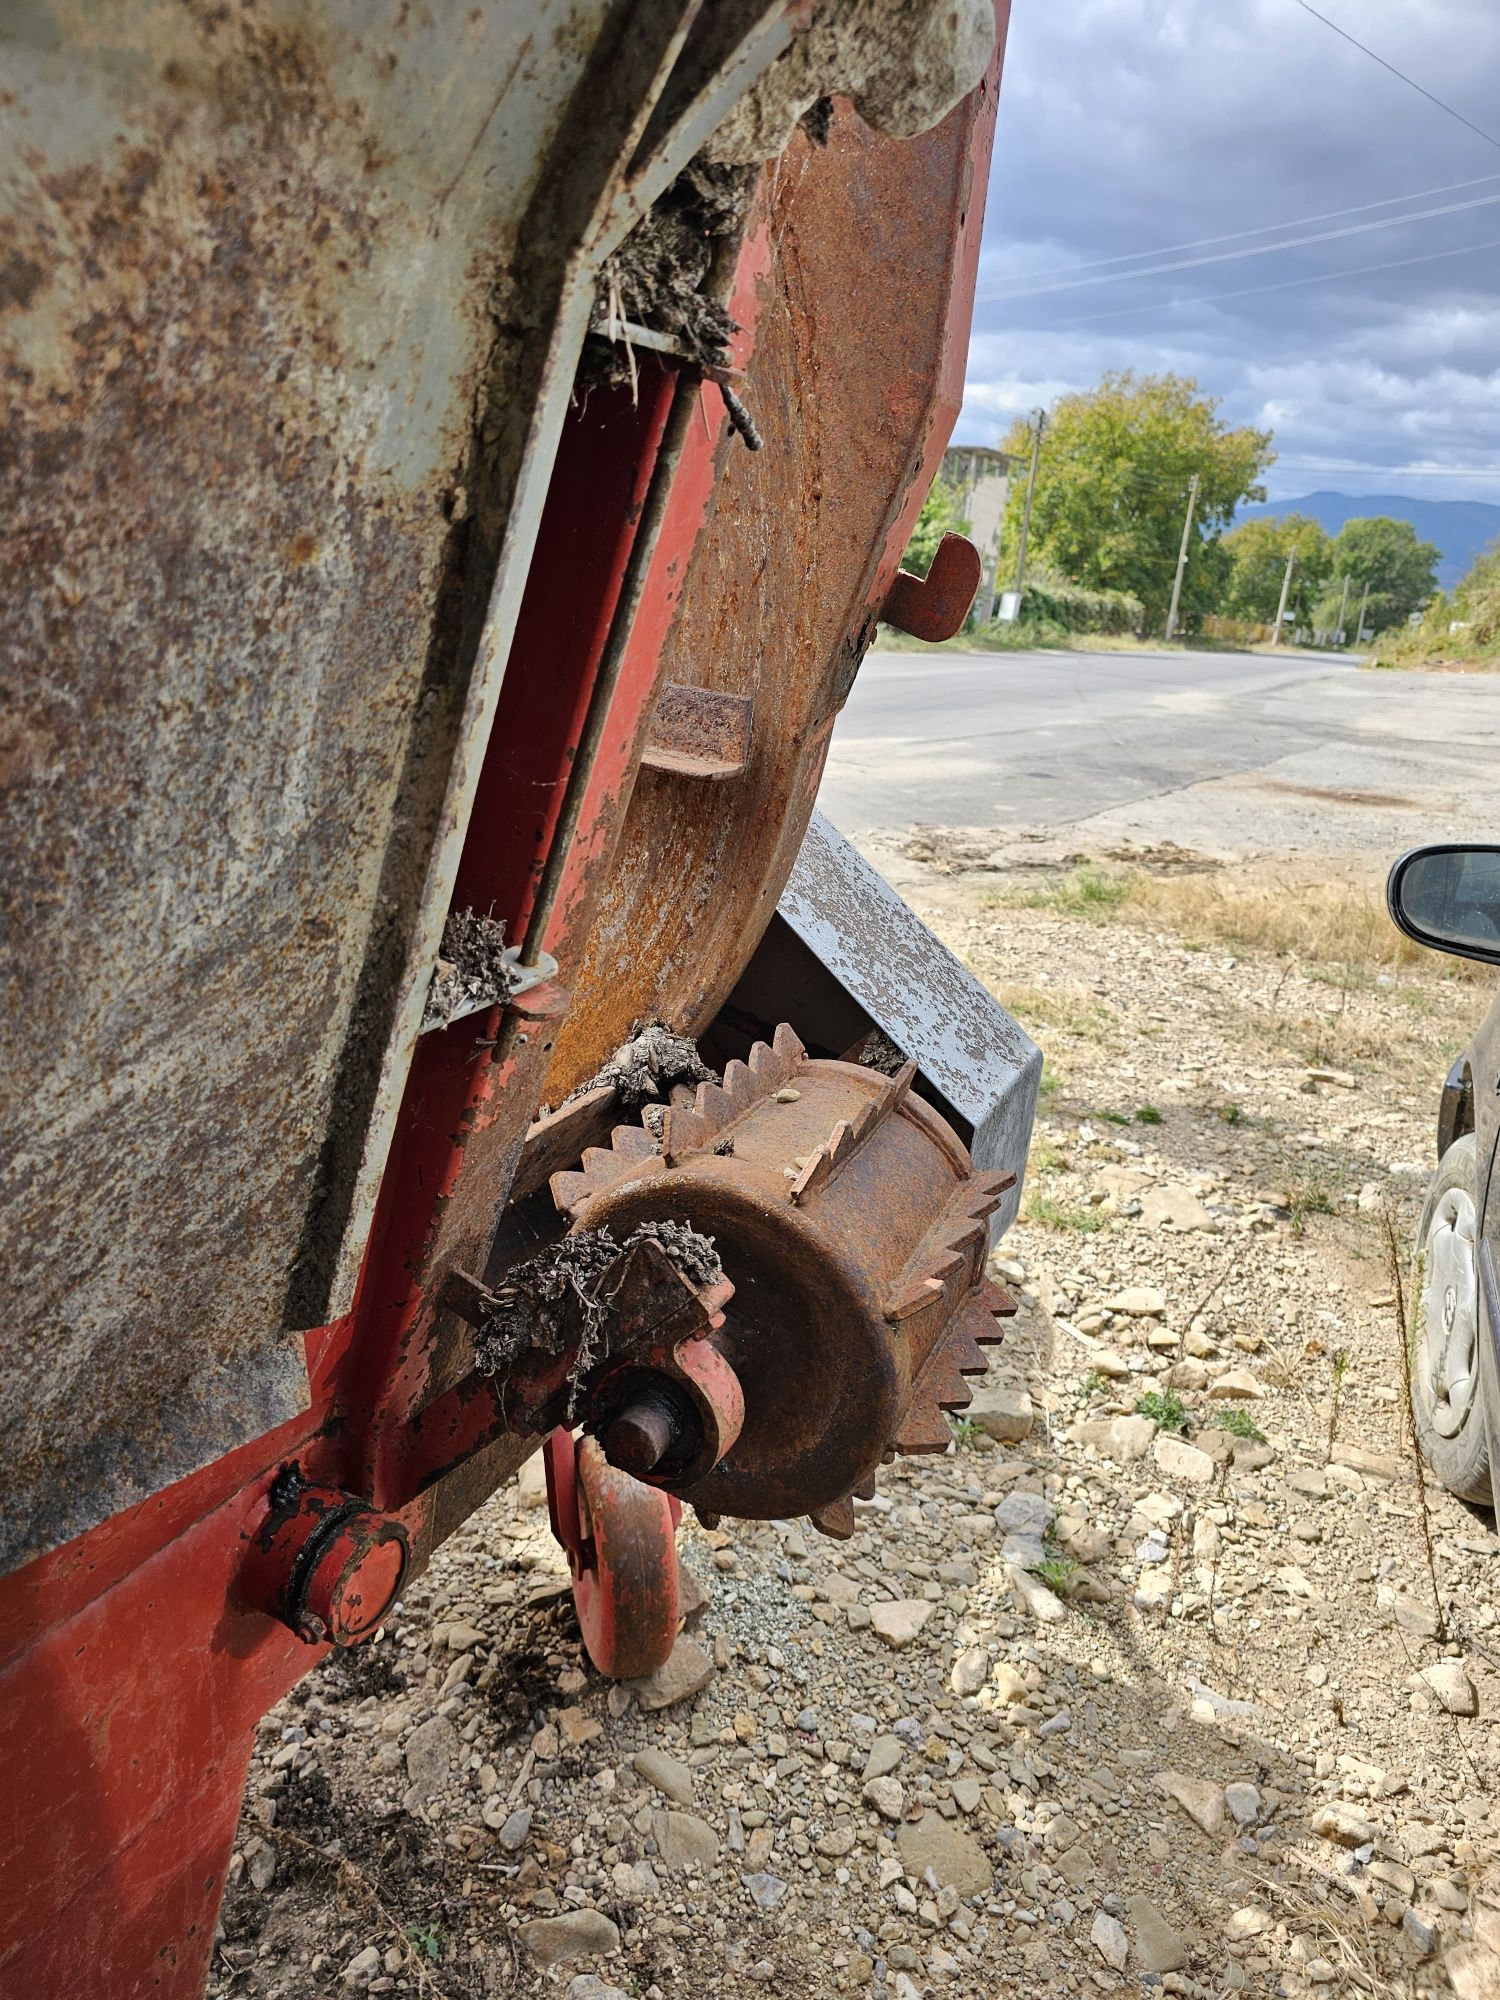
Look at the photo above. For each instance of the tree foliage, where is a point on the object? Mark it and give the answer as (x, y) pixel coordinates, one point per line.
(942, 514)
(1258, 552)
(1113, 482)
(1400, 569)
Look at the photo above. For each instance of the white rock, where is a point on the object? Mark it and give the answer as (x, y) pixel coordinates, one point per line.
(1109, 1940)
(1181, 1460)
(1158, 1948)
(1035, 1598)
(1342, 1824)
(1009, 1682)
(666, 1774)
(575, 1934)
(1200, 1798)
(1138, 1302)
(1119, 1438)
(1238, 1386)
(363, 1967)
(1452, 1686)
(686, 1671)
(1002, 1410)
(899, 1623)
(1248, 1922)
(888, 1797)
(970, 1671)
(685, 1841)
(430, 1751)
(1244, 1802)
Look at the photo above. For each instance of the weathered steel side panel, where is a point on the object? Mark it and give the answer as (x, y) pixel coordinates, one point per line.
(250, 264)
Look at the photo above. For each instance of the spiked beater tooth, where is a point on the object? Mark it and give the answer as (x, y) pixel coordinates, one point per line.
(740, 1086)
(683, 1132)
(966, 1353)
(786, 1046)
(941, 1383)
(865, 1490)
(571, 1191)
(923, 1429)
(836, 1520)
(995, 1299)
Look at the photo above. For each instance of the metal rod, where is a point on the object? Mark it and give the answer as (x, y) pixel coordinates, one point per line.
(607, 680)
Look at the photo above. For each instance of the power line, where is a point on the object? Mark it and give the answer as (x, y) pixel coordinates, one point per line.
(1242, 235)
(1411, 82)
(1283, 285)
(1255, 250)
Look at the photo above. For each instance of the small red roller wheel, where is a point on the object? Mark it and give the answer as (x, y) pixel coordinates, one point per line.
(621, 1542)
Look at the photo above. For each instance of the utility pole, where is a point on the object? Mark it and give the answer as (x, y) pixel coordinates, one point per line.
(1344, 609)
(1364, 605)
(1187, 537)
(1036, 453)
(1286, 591)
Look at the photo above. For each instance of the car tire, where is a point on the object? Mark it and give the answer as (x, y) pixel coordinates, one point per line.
(1448, 1365)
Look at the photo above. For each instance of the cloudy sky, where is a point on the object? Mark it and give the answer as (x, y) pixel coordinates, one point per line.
(1131, 128)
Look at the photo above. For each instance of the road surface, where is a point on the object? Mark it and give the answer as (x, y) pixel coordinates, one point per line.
(1219, 751)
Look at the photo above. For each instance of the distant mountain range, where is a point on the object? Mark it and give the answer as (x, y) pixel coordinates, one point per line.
(1460, 528)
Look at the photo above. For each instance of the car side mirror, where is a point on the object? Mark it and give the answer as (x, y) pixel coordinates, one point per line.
(1448, 898)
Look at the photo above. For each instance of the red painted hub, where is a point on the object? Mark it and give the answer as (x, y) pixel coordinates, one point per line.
(325, 1564)
(621, 1539)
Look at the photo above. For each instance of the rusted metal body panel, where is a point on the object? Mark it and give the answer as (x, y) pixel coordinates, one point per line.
(286, 359)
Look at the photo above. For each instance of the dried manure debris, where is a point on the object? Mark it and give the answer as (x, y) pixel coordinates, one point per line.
(645, 1068)
(472, 969)
(662, 275)
(561, 1296)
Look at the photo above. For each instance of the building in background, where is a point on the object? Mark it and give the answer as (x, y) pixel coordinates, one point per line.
(980, 477)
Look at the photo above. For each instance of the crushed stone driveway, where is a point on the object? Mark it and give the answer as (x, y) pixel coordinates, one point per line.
(1172, 1675)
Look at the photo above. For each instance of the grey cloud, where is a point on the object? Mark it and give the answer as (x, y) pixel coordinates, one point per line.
(1135, 125)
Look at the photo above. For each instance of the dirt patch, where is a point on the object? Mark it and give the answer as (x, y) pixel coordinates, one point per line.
(1334, 796)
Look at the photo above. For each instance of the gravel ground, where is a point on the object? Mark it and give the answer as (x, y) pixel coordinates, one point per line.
(1198, 1698)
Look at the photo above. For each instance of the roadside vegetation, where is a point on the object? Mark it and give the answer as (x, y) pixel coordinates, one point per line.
(1461, 630)
(1115, 478)
(1327, 924)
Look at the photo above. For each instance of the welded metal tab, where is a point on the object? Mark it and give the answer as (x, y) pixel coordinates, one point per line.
(698, 733)
(979, 1063)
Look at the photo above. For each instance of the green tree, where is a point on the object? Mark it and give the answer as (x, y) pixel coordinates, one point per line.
(1400, 570)
(1112, 490)
(1258, 551)
(942, 514)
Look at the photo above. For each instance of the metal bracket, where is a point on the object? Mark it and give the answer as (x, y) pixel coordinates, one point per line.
(934, 607)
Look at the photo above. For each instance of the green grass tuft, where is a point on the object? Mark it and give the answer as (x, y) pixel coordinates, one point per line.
(1240, 1424)
(1061, 1215)
(1165, 1408)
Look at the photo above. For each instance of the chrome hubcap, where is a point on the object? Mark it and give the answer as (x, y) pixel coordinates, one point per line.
(1446, 1372)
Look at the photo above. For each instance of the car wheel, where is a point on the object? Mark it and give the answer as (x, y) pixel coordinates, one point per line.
(1446, 1372)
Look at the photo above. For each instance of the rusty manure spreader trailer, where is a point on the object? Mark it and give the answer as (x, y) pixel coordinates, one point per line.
(455, 461)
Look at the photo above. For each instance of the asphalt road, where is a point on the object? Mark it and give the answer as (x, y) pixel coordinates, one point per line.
(1215, 750)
